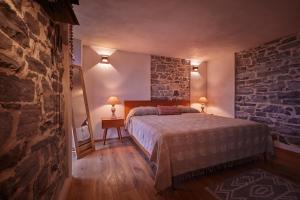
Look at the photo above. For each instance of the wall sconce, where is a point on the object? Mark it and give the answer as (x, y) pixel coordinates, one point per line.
(104, 59)
(195, 68)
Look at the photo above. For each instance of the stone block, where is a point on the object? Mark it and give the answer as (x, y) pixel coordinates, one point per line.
(294, 121)
(45, 58)
(14, 89)
(13, 25)
(12, 157)
(260, 114)
(51, 103)
(7, 188)
(289, 39)
(57, 87)
(6, 125)
(27, 169)
(241, 115)
(244, 91)
(11, 106)
(277, 87)
(297, 109)
(18, 4)
(41, 183)
(273, 109)
(5, 42)
(295, 102)
(261, 89)
(289, 95)
(259, 98)
(294, 85)
(261, 120)
(36, 66)
(43, 143)
(290, 45)
(284, 77)
(29, 121)
(32, 23)
(42, 19)
(20, 52)
(7, 62)
(46, 86)
(161, 68)
(48, 124)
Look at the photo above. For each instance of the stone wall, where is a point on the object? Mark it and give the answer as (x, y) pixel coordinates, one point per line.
(33, 153)
(268, 84)
(170, 77)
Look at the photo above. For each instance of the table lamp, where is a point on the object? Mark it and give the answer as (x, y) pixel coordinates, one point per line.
(203, 101)
(113, 100)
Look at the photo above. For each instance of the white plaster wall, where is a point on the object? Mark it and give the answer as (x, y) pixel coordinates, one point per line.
(128, 77)
(220, 85)
(198, 85)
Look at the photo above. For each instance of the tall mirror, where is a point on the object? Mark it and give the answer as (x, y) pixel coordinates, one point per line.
(82, 131)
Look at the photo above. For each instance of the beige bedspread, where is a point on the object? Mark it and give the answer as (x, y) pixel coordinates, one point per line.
(187, 142)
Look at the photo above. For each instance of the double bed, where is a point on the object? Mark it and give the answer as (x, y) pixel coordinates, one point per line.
(186, 142)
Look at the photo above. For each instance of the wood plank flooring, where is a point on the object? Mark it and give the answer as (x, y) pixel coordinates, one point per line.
(119, 171)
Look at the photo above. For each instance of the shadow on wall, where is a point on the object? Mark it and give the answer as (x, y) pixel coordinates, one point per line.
(220, 85)
(127, 77)
(198, 84)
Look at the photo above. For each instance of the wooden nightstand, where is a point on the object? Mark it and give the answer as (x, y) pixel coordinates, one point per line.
(112, 123)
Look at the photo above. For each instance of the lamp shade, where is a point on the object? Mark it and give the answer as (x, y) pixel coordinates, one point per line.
(203, 100)
(113, 100)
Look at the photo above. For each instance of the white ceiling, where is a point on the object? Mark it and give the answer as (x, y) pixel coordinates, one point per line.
(198, 29)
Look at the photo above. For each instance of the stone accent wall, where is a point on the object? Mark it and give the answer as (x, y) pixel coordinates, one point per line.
(268, 84)
(170, 78)
(33, 153)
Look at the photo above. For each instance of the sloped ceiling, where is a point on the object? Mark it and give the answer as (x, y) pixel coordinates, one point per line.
(198, 29)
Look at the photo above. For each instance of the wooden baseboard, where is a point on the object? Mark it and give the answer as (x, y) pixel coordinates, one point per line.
(287, 147)
(65, 189)
(114, 138)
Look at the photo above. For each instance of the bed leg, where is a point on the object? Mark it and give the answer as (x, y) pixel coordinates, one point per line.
(265, 154)
(173, 185)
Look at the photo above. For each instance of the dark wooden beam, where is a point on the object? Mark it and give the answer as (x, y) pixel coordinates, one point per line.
(75, 2)
(60, 11)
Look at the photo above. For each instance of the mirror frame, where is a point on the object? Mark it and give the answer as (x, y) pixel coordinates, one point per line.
(78, 153)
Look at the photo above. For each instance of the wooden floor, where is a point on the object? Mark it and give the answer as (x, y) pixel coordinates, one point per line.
(119, 171)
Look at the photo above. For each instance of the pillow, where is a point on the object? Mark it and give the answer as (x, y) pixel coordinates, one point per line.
(143, 110)
(168, 110)
(140, 111)
(187, 109)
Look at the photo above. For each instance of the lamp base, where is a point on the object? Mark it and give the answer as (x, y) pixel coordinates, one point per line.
(202, 109)
(113, 110)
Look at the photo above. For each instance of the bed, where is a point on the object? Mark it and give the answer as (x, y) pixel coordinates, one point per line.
(190, 141)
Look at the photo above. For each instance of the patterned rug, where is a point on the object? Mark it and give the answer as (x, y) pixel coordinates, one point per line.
(255, 185)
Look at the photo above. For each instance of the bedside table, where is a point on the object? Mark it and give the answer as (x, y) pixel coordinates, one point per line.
(112, 123)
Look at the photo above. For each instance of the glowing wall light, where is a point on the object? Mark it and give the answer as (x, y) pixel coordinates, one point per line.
(104, 59)
(195, 68)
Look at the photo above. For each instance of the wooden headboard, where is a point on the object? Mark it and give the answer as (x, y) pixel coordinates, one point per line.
(132, 104)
